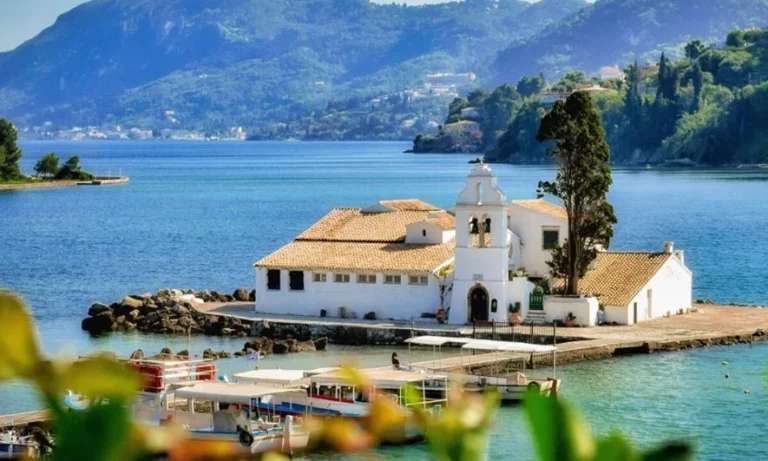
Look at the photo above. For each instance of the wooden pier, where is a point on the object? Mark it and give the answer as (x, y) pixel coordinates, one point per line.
(24, 419)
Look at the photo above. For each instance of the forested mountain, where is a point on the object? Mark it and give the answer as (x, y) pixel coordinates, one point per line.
(613, 32)
(239, 62)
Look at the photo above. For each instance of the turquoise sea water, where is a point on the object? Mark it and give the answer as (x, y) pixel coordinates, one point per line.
(199, 214)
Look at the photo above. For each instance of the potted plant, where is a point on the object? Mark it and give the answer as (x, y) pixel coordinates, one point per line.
(521, 272)
(515, 317)
(570, 320)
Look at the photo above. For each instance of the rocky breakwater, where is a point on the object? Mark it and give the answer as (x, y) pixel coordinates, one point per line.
(169, 311)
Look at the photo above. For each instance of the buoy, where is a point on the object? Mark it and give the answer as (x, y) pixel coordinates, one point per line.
(726, 376)
(725, 362)
(746, 391)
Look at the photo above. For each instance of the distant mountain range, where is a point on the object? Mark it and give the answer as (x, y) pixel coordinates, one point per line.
(212, 63)
(613, 32)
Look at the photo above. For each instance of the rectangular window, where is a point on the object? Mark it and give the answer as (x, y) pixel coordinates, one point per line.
(392, 279)
(273, 279)
(319, 277)
(366, 278)
(341, 278)
(550, 239)
(296, 280)
(417, 280)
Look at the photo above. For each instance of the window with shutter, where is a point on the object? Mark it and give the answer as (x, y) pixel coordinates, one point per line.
(273, 279)
(296, 279)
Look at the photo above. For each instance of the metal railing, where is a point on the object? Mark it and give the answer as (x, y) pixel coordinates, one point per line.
(531, 333)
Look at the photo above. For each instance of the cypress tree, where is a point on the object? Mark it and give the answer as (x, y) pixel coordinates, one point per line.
(582, 183)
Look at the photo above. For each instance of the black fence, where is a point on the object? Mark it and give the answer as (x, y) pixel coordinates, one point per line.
(531, 333)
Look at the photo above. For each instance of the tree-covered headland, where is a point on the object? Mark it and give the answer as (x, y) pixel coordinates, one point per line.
(709, 108)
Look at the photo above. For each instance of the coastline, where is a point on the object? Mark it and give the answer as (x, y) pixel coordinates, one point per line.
(97, 181)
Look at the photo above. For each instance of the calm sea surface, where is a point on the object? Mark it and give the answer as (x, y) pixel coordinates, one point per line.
(199, 214)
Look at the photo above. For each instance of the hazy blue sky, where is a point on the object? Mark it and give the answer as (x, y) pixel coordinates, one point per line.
(23, 19)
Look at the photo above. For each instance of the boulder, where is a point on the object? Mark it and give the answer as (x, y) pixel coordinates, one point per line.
(321, 343)
(176, 294)
(228, 331)
(166, 350)
(279, 348)
(183, 353)
(97, 308)
(252, 295)
(98, 325)
(132, 302)
(241, 294)
(129, 326)
(120, 320)
(133, 315)
(238, 354)
(224, 354)
(138, 354)
(306, 346)
(370, 316)
(209, 354)
(180, 310)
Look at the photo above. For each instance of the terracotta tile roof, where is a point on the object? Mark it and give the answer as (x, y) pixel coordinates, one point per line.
(618, 276)
(543, 206)
(442, 219)
(354, 225)
(359, 257)
(410, 204)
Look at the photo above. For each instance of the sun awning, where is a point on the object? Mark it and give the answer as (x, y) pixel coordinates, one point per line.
(437, 340)
(506, 346)
(216, 391)
(274, 376)
(377, 377)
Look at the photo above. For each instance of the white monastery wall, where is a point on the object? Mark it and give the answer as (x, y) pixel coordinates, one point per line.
(584, 309)
(403, 301)
(529, 226)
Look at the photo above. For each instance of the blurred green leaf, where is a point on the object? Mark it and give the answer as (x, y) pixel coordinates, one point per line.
(100, 377)
(670, 451)
(19, 351)
(615, 448)
(559, 433)
(100, 433)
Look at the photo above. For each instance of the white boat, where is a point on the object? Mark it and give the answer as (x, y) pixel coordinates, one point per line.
(13, 446)
(512, 384)
(234, 416)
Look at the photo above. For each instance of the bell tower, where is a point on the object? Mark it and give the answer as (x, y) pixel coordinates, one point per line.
(482, 250)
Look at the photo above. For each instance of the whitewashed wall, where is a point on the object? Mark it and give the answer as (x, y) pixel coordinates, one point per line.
(435, 234)
(401, 302)
(584, 309)
(671, 291)
(528, 225)
(519, 289)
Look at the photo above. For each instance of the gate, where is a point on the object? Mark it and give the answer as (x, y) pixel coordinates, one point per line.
(536, 301)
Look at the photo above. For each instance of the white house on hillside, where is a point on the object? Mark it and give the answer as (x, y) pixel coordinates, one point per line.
(400, 259)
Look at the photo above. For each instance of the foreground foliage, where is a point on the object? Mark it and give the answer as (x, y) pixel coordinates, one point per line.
(104, 431)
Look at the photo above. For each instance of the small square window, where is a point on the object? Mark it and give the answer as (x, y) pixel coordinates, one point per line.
(319, 277)
(392, 279)
(341, 278)
(366, 278)
(550, 239)
(417, 280)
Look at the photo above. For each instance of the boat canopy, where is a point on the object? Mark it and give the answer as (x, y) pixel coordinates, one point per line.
(506, 346)
(274, 376)
(217, 391)
(438, 340)
(384, 378)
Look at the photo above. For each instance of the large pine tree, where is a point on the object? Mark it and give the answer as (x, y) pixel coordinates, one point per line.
(582, 183)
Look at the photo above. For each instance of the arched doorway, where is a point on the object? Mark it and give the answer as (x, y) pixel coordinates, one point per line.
(478, 304)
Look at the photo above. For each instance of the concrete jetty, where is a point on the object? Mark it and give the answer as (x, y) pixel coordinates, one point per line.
(708, 325)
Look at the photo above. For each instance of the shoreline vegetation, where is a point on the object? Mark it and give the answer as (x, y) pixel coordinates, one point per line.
(48, 172)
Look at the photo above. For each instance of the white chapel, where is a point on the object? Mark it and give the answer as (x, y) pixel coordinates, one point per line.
(481, 261)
